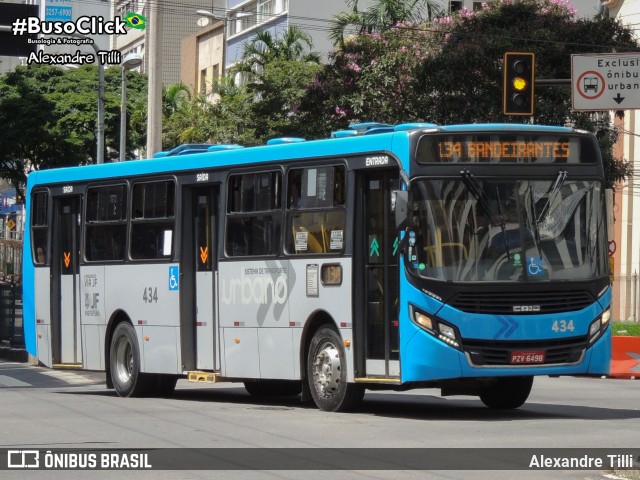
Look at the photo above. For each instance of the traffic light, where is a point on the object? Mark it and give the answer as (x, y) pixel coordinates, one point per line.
(519, 75)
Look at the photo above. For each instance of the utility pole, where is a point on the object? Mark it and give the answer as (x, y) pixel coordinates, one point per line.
(154, 99)
(100, 146)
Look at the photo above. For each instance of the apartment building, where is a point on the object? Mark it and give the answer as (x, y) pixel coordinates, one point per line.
(176, 20)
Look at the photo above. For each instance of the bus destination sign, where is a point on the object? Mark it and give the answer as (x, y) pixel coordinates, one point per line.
(503, 150)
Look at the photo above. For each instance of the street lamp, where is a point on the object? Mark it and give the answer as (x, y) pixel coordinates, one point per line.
(224, 19)
(131, 61)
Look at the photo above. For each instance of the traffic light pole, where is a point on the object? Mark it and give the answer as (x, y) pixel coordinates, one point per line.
(552, 82)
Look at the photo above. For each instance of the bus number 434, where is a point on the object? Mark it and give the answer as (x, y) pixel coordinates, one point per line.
(150, 295)
(561, 326)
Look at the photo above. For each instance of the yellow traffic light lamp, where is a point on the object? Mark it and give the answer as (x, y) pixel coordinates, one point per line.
(519, 79)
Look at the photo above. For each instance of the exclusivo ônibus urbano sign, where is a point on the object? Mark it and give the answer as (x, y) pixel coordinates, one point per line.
(605, 81)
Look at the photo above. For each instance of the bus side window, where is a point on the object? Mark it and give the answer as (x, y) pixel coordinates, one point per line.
(316, 217)
(153, 220)
(106, 223)
(253, 214)
(237, 242)
(39, 227)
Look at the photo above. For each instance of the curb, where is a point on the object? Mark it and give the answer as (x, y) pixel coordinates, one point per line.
(625, 358)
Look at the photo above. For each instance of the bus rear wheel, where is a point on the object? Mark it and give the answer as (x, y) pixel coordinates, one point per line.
(124, 361)
(506, 393)
(327, 375)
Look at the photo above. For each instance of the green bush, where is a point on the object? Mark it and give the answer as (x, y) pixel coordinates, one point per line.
(629, 329)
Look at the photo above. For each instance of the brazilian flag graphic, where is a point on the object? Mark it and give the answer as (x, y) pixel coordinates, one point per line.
(135, 20)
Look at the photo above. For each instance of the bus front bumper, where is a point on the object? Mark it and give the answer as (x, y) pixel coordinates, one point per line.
(425, 358)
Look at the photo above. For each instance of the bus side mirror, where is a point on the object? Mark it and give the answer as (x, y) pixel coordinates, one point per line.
(402, 208)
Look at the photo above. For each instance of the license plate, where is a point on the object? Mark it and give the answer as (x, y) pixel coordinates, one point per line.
(527, 357)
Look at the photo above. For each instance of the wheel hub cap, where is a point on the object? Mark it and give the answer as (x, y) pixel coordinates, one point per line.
(124, 360)
(326, 370)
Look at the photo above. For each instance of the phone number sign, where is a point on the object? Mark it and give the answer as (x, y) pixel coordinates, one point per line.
(58, 11)
(605, 81)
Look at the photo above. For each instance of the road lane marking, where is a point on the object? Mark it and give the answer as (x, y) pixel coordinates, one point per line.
(69, 377)
(6, 381)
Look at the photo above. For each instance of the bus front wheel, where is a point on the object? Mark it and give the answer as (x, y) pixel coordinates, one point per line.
(327, 374)
(506, 393)
(124, 361)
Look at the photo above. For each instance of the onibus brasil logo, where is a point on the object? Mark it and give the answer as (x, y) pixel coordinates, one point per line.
(135, 20)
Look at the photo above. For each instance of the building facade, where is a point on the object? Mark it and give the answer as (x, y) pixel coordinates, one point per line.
(176, 20)
(203, 59)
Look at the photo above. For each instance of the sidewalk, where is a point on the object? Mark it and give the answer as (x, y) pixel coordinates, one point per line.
(14, 354)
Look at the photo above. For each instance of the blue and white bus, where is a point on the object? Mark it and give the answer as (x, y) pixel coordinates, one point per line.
(469, 258)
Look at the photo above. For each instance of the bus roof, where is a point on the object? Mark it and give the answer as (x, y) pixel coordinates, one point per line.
(232, 158)
(521, 127)
(203, 157)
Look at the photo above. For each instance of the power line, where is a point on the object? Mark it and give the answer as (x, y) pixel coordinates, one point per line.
(324, 24)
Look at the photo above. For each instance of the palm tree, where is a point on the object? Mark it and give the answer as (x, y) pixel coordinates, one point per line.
(294, 45)
(174, 96)
(381, 16)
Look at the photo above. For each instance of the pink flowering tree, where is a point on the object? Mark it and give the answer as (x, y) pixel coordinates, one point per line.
(372, 77)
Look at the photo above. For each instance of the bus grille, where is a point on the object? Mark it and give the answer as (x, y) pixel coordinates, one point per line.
(493, 353)
(527, 303)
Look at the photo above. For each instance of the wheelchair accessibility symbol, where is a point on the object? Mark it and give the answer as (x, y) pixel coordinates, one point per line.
(174, 282)
(535, 267)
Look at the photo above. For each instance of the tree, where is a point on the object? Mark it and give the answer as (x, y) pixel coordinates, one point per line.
(278, 69)
(174, 97)
(371, 78)
(49, 117)
(192, 118)
(185, 116)
(231, 119)
(263, 48)
(31, 137)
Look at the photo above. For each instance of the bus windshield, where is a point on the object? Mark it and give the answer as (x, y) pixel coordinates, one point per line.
(480, 230)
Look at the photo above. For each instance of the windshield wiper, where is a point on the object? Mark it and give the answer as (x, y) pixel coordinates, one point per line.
(560, 179)
(477, 192)
(534, 213)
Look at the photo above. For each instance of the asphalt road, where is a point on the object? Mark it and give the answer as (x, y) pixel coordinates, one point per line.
(54, 409)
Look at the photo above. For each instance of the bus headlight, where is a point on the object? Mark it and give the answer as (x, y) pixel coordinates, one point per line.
(594, 330)
(599, 325)
(447, 331)
(436, 327)
(423, 320)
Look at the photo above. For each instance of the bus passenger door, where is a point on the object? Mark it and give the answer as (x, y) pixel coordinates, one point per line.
(376, 277)
(66, 341)
(198, 285)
